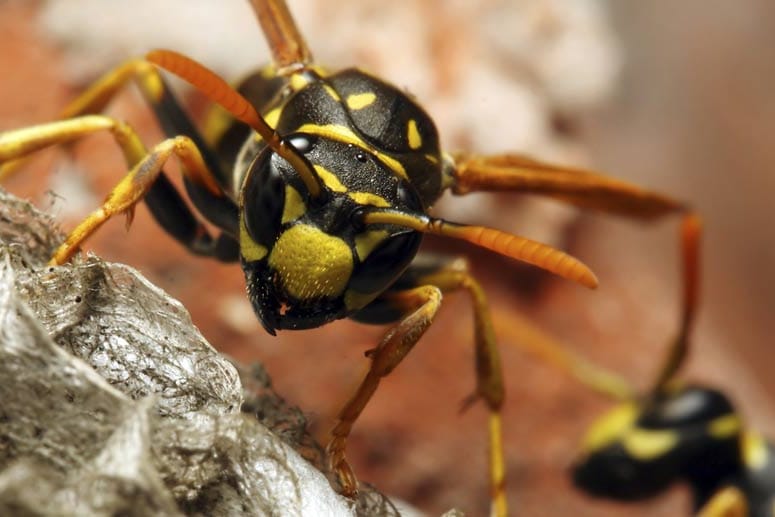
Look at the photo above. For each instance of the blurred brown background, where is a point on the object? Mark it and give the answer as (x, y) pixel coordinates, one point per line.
(690, 114)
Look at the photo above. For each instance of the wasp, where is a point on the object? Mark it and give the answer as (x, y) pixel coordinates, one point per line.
(676, 431)
(320, 184)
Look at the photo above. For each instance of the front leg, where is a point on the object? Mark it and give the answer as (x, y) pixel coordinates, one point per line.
(418, 307)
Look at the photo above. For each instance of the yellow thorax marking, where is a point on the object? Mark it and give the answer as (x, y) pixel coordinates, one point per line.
(346, 135)
(358, 101)
(299, 81)
(725, 426)
(610, 427)
(294, 205)
(331, 92)
(413, 135)
(250, 249)
(311, 263)
(647, 444)
(330, 179)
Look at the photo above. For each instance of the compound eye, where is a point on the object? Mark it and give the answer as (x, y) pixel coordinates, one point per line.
(385, 263)
(264, 198)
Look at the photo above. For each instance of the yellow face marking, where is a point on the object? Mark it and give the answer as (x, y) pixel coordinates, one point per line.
(725, 426)
(311, 263)
(647, 444)
(358, 101)
(413, 135)
(354, 300)
(330, 179)
(367, 198)
(346, 135)
(755, 453)
(331, 92)
(432, 159)
(610, 427)
(294, 205)
(366, 242)
(250, 249)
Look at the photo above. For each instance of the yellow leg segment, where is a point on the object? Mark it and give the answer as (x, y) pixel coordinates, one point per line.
(96, 98)
(727, 502)
(524, 334)
(145, 167)
(133, 187)
(423, 301)
(489, 373)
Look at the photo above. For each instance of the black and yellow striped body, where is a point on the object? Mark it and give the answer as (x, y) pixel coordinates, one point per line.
(690, 434)
(305, 261)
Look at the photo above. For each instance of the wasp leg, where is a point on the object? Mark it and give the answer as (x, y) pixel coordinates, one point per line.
(219, 210)
(582, 188)
(141, 180)
(489, 373)
(691, 233)
(727, 502)
(449, 276)
(289, 50)
(521, 332)
(419, 305)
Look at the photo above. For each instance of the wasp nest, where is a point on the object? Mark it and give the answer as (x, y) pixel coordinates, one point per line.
(112, 402)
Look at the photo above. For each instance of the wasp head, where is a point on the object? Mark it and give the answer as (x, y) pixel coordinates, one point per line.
(307, 260)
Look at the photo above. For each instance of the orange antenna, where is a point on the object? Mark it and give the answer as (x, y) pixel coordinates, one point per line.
(219, 91)
(519, 248)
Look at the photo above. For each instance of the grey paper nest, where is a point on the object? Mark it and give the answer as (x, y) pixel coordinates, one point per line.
(112, 402)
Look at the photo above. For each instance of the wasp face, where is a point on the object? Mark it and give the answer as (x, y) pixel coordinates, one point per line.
(307, 261)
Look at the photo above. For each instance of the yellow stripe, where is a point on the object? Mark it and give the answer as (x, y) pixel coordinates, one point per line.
(299, 81)
(294, 205)
(330, 179)
(367, 198)
(331, 92)
(647, 444)
(610, 427)
(358, 101)
(250, 249)
(755, 453)
(346, 135)
(725, 426)
(366, 242)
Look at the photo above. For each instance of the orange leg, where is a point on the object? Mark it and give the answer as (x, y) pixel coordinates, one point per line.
(289, 51)
(423, 302)
(582, 188)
